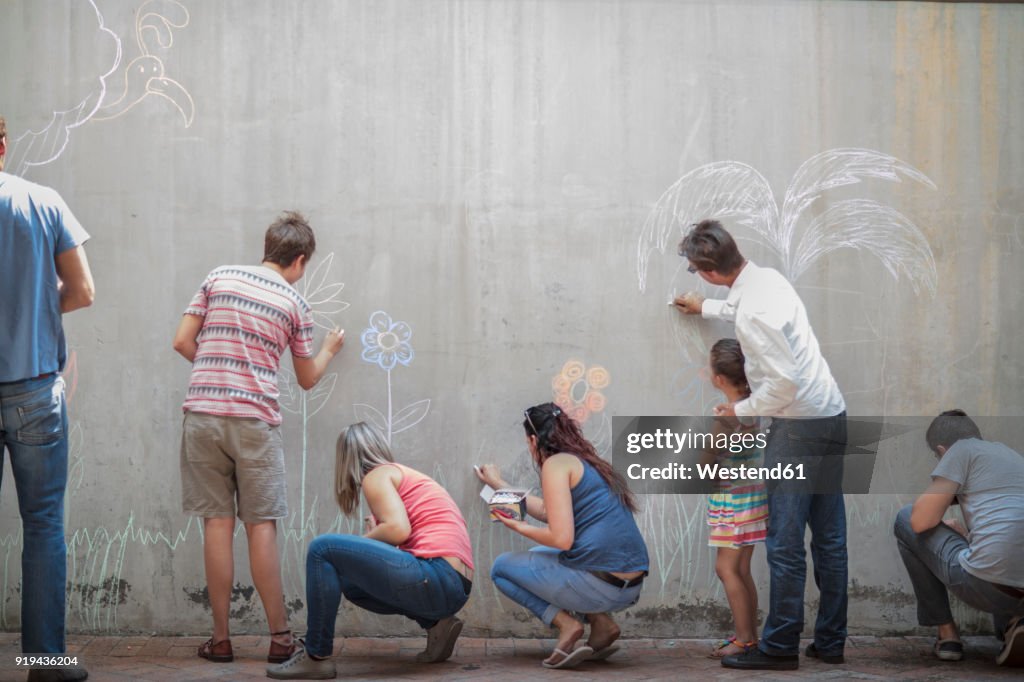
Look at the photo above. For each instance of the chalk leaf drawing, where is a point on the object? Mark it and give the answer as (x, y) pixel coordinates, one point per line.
(735, 191)
(142, 77)
(386, 343)
(324, 298)
(145, 75)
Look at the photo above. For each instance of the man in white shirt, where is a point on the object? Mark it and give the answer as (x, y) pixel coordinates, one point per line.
(790, 382)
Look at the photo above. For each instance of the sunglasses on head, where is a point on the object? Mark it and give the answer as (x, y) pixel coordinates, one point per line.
(526, 413)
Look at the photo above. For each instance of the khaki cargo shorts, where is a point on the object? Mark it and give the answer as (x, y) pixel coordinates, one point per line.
(229, 458)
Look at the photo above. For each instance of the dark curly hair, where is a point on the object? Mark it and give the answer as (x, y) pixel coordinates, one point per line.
(556, 433)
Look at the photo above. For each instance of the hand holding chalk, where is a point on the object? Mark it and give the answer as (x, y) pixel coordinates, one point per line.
(689, 303)
(335, 340)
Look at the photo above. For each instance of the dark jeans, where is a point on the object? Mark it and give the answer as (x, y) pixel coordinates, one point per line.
(932, 559)
(33, 429)
(378, 577)
(793, 505)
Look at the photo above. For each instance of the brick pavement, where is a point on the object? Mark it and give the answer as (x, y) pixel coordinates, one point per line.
(165, 659)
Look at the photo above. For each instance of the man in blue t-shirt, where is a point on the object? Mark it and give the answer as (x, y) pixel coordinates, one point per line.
(982, 563)
(43, 274)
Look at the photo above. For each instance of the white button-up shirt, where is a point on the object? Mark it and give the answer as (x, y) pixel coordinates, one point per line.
(787, 373)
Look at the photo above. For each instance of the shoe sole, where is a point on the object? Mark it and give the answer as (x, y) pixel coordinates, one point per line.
(833, 660)
(1013, 650)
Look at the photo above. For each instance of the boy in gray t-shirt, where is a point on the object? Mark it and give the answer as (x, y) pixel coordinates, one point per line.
(982, 564)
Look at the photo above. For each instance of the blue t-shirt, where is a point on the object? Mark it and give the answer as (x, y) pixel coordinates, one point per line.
(35, 226)
(607, 538)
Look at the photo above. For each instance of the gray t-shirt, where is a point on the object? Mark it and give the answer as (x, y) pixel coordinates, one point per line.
(991, 493)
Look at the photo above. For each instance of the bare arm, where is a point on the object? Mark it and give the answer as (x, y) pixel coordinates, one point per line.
(185, 337)
(931, 506)
(380, 487)
(308, 371)
(77, 289)
(556, 482)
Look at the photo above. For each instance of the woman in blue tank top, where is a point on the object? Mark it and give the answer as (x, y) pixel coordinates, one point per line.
(592, 560)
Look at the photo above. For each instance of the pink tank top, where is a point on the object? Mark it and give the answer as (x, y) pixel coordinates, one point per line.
(438, 528)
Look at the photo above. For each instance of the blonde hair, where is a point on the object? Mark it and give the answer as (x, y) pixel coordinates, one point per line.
(360, 448)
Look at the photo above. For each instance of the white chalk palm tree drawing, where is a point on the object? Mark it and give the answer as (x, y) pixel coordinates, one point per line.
(736, 192)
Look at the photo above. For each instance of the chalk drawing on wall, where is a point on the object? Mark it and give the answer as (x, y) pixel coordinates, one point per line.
(736, 192)
(145, 75)
(386, 343)
(324, 298)
(577, 389)
(40, 147)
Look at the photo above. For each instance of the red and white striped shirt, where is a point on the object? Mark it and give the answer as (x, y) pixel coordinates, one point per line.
(250, 316)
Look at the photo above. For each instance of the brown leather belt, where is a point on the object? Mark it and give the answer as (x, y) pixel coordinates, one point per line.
(617, 581)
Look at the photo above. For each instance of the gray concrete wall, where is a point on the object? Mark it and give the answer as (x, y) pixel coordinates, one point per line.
(494, 174)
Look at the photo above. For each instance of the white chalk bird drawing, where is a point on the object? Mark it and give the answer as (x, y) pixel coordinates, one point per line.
(42, 146)
(737, 193)
(143, 76)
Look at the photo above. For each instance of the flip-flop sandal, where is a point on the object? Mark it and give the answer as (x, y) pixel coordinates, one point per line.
(716, 654)
(570, 660)
(603, 653)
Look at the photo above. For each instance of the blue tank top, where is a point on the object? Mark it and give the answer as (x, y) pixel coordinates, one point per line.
(607, 538)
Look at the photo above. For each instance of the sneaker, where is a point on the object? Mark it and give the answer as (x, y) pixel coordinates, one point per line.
(1013, 647)
(301, 667)
(812, 652)
(440, 640)
(755, 659)
(948, 649)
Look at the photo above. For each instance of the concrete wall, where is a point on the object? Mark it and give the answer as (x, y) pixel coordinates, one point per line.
(494, 174)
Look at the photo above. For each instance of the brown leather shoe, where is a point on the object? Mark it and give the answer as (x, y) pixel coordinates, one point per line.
(218, 653)
(279, 653)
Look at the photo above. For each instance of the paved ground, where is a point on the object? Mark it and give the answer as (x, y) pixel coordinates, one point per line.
(510, 660)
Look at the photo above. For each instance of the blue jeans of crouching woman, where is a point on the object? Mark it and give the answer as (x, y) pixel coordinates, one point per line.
(793, 505)
(538, 581)
(33, 429)
(378, 577)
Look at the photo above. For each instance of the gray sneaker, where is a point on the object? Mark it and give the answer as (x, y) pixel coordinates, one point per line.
(301, 667)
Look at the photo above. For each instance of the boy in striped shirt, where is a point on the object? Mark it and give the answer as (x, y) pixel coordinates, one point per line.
(234, 332)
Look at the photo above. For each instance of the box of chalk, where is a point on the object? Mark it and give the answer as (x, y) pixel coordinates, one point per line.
(508, 502)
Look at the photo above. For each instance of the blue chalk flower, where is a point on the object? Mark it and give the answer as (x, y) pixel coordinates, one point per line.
(386, 343)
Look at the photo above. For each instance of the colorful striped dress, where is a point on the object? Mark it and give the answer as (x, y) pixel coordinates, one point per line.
(738, 512)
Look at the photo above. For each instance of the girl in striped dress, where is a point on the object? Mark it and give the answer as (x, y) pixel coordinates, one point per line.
(738, 510)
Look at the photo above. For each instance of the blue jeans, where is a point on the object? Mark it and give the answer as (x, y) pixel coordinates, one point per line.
(33, 428)
(818, 444)
(932, 559)
(378, 577)
(538, 581)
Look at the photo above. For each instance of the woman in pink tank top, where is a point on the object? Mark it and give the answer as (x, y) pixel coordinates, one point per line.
(414, 559)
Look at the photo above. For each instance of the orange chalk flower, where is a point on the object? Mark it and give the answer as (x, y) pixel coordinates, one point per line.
(577, 389)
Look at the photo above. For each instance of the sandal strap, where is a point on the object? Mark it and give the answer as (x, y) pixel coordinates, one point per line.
(283, 632)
